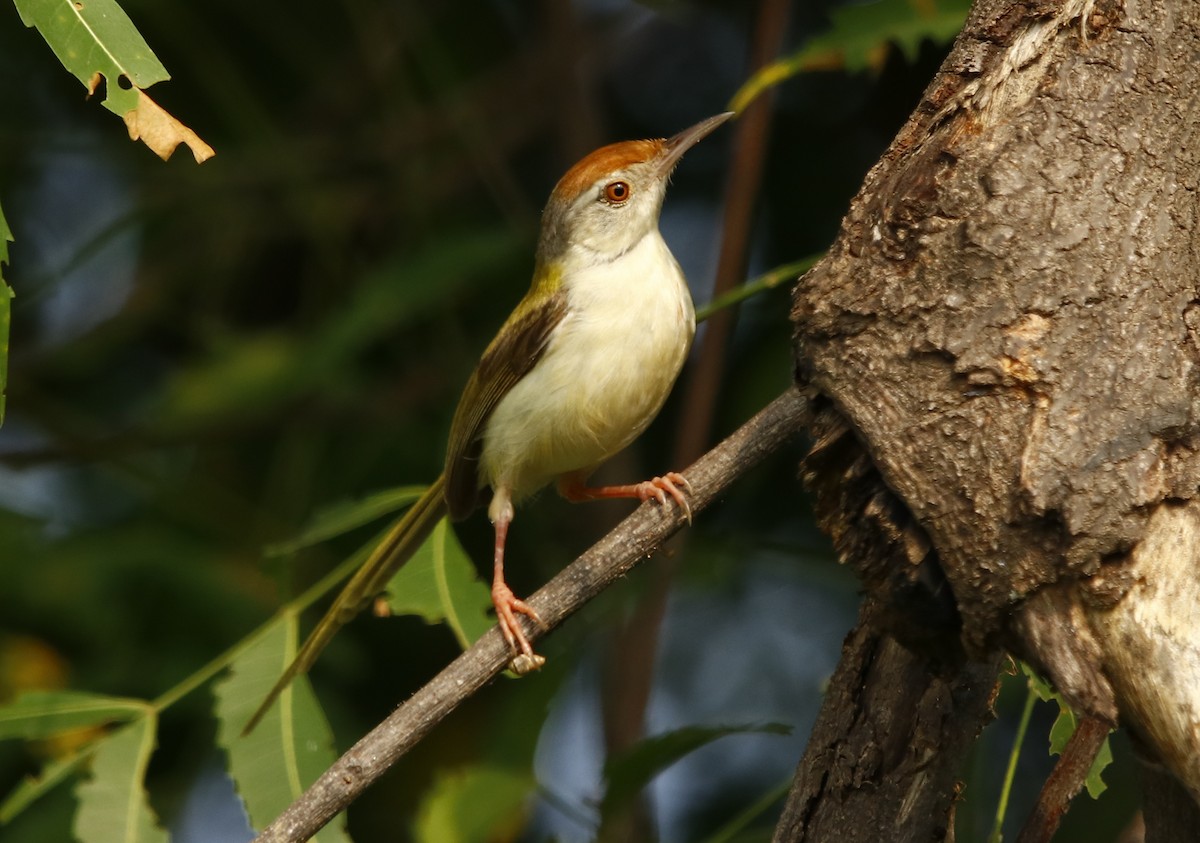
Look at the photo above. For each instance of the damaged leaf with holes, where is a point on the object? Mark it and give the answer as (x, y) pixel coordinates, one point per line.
(97, 42)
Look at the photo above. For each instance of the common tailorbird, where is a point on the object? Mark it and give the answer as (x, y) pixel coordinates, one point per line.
(576, 373)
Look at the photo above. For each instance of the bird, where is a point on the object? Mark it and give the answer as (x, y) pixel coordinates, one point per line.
(579, 369)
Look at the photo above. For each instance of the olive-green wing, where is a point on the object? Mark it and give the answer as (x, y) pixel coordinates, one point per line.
(515, 350)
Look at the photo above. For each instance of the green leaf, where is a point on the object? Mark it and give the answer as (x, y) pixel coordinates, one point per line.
(1094, 783)
(292, 745)
(36, 715)
(628, 773)
(440, 584)
(346, 516)
(1061, 731)
(475, 804)
(858, 39)
(1064, 727)
(6, 295)
(1039, 685)
(33, 787)
(112, 803)
(5, 238)
(93, 37)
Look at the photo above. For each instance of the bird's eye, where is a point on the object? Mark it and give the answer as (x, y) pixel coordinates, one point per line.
(617, 192)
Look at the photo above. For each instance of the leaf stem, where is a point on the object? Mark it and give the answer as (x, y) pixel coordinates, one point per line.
(736, 825)
(1011, 773)
(766, 281)
(292, 607)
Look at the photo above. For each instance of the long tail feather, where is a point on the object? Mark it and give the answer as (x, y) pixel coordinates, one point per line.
(400, 543)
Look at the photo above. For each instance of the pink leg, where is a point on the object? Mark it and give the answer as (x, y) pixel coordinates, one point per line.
(672, 483)
(508, 606)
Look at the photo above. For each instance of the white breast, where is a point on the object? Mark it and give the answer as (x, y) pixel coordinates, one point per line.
(604, 376)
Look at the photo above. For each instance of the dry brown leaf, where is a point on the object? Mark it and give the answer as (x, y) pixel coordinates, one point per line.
(161, 132)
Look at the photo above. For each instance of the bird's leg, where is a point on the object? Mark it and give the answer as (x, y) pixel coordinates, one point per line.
(507, 605)
(573, 488)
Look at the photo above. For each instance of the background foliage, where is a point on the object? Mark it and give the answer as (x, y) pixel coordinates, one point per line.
(204, 357)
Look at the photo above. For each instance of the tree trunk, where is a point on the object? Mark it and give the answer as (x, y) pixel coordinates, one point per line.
(884, 755)
(1002, 345)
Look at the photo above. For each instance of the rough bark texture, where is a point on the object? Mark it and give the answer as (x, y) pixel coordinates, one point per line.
(1002, 348)
(885, 753)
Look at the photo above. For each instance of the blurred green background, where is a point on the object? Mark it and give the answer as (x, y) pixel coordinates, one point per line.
(202, 356)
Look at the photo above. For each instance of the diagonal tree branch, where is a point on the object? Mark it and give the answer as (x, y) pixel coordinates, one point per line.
(608, 560)
(1069, 777)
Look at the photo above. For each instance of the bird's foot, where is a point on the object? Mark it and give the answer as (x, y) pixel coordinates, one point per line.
(508, 606)
(656, 489)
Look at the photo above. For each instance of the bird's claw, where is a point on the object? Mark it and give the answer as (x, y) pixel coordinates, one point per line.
(669, 484)
(508, 606)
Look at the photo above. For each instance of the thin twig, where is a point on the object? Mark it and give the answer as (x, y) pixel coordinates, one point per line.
(608, 560)
(1066, 780)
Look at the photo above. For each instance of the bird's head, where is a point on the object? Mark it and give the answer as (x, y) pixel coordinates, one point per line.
(611, 199)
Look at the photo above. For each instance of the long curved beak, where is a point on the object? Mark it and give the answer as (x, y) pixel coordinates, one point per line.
(674, 147)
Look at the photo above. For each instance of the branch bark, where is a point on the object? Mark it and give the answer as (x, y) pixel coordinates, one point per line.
(633, 540)
(1068, 778)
